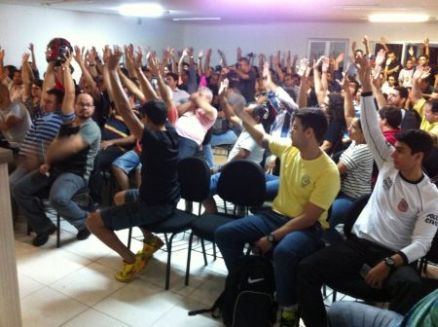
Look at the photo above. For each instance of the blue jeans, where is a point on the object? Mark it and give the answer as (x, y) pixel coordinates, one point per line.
(229, 137)
(340, 208)
(63, 187)
(272, 185)
(232, 237)
(186, 148)
(353, 314)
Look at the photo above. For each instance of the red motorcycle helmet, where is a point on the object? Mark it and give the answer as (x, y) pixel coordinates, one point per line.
(57, 49)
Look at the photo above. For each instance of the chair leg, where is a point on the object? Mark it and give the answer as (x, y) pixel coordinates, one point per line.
(334, 296)
(214, 251)
(189, 258)
(166, 240)
(203, 251)
(169, 256)
(129, 238)
(58, 230)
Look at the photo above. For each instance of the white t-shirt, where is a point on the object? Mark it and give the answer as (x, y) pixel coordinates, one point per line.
(16, 134)
(401, 215)
(246, 142)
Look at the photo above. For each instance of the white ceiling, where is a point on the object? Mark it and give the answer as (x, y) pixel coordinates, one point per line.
(254, 10)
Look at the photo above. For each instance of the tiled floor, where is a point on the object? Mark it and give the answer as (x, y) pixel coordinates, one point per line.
(74, 286)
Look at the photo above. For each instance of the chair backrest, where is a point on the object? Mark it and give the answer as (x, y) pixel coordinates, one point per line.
(242, 182)
(353, 213)
(194, 179)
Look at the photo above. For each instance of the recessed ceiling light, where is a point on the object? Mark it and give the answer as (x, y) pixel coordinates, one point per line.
(398, 18)
(141, 10)
(183, 19)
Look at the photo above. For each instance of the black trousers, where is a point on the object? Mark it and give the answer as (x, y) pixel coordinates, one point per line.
(339, 266)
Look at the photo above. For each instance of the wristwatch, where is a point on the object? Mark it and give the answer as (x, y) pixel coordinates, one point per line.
(389, 262)
(271, 238)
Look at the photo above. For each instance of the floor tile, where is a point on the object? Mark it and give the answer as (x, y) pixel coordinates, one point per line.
(48, 266)
(90, 284)
(94, 318)
(138, 304)
(28, 285)
(49, 308)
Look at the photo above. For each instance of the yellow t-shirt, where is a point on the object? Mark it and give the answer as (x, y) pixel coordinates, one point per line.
(302, 181)
(431, 128)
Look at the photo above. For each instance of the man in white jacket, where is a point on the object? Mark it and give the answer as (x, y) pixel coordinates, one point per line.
(395, 228)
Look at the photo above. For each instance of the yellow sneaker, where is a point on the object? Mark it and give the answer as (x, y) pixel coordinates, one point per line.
(150, 246)
(131, 270)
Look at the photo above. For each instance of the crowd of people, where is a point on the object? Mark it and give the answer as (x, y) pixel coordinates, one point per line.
(328, 131)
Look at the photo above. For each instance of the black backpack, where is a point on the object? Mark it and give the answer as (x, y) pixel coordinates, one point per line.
(248, 297)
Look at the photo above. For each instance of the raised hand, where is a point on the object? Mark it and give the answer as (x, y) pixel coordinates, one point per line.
(365, 40)
(25, 58)
(31, 47)
(106, 54)
(325, 64)
(138, 58)
(421, 73)
(340, 58)
(114, 58)
(78, 55)
(200, 54)
(224, 86)
(364, 73)
(2, 54)
(380, 58)
(154, 65)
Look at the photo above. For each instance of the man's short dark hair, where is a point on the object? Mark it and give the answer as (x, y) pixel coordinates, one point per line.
(38, 82)
(244, 59)
(173, 75)
(417, 140)
(58, 93)
(392, 115)
(434, 105)
(315, 119)
(155, 110)
(403, 91)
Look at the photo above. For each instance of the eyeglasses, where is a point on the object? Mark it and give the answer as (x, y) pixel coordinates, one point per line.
(85, 105)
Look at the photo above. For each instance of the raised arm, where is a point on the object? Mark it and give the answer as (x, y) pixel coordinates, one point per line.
(420, 74)
(32, 53)
(223, 59)
(304, 88)
(384, 42)
(426, 48)
(146, 86)
(259, 135)
(366, 44)
(349, 113)
(2, 70)
(131, 86)
(204, 105)
(165, 91)
(95, 92)
(68, 104)
(370, 126)
(27, 76)
(207, 61)
(120, 98)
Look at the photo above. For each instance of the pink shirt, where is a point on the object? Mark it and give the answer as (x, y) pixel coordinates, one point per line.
(194, 125)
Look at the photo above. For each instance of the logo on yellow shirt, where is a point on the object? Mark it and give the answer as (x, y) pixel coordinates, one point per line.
(305, 180)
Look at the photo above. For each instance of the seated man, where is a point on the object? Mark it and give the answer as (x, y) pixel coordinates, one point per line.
(309, 182)
(395, 228)
(244, 148)
(69, 162)
(159, 191)
(354, 314)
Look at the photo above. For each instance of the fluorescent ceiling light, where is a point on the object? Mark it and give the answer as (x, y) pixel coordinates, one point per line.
(398, 18)
(184, 19)
(141, 10)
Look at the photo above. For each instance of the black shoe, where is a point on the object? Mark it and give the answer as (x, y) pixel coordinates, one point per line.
(83, 234)
(42, 238)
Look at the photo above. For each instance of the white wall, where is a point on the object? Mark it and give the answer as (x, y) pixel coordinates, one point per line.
(21, 25)
(268, 38)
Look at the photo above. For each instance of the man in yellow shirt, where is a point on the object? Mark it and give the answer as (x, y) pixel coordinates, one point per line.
(428, 111)
(309, 182)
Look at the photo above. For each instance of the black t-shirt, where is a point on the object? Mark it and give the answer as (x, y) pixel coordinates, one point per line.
(245, 86)
(159, 184)
(334, 134)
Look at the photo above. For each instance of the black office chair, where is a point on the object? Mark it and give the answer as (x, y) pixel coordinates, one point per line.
(242, 182)
(194, 179)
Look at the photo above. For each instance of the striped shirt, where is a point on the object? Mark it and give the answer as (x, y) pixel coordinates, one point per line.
(42, 133)
(359, 162)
